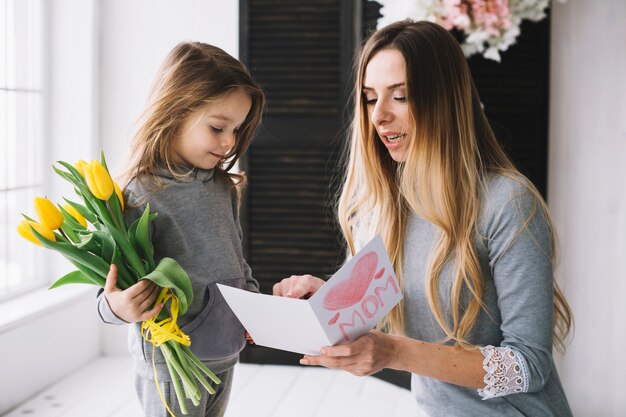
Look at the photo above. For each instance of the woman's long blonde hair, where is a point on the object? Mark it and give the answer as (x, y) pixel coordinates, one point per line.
(193, 75)
(448, 160)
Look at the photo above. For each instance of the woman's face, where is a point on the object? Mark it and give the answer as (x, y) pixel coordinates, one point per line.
(384, 89)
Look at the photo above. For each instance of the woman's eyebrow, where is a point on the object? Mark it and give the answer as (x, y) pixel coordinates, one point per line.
(391, 87)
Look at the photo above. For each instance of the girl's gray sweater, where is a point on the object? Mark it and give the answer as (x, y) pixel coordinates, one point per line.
(514, 249)
(197, 224)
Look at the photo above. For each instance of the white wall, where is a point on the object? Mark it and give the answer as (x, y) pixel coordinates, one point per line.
(135, 37)
(587, 196)
(47, 346)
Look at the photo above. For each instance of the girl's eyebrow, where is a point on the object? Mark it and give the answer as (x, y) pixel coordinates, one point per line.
(391, 87)
(220, 117)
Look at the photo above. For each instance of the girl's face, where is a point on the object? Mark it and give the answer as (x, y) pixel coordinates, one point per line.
(210, 132)
(384, 89)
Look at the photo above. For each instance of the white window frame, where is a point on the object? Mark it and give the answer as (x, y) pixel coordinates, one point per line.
(22, 128)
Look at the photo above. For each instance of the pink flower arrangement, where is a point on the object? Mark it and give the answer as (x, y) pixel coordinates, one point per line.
(487, 26)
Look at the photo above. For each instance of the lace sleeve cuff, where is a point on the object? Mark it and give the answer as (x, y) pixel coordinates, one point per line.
(505, 372)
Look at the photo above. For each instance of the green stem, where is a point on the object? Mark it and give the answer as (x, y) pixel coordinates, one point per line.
(192, 371)
(171, 358)
(200, 365)
(180, 396)
(201, 379)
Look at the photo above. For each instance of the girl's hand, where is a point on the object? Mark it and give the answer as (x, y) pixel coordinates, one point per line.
(298, 286)
(131, 304)
(365, 356)
(248, 337)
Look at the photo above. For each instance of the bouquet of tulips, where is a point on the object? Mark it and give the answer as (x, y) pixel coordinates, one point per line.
(106, 240)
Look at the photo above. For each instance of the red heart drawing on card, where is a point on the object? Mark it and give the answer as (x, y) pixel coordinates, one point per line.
(352, 290)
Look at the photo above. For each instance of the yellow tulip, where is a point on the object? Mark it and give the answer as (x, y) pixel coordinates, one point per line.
(98, 180)
(75, 214)
(80, 166)
(119, 194)
(24, 229)
(49, 215)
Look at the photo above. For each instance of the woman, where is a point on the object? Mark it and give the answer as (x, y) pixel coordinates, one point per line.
(469, 236)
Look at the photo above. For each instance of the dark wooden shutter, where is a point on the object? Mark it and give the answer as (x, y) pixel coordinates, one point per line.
(515, 95)
(300, 52)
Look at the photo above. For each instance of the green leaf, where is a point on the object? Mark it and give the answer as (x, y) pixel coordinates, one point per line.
(108, 245)
(69, 232)
(29, 218)
(74, 277)
(103, 161)
(128, 251)
(116, 210)
(89, 242)
(76, 179)
(75, 254)
(70, 220)
(169, 274)
(68, 177)
(132, 232)
(142, 238)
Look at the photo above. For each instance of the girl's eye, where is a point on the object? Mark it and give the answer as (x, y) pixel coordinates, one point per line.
(217, 129)
(400, 99)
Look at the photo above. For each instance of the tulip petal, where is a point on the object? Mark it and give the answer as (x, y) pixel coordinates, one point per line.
(48, 214)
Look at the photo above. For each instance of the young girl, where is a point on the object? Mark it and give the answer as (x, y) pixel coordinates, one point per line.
(202, 114)
(470, 238)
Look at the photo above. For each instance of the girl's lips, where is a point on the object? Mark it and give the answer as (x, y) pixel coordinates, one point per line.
(218, 156)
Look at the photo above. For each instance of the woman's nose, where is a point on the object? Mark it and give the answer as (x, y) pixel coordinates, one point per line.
(380, 113)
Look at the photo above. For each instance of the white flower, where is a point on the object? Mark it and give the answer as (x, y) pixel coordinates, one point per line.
(487, 26)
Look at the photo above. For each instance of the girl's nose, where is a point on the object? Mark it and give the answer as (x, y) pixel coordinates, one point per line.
(229, 140)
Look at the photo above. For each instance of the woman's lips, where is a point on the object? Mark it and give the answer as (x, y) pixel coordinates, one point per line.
(393, 140)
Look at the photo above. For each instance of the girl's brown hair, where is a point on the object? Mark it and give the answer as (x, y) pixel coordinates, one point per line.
(192, 75)
(448, 161)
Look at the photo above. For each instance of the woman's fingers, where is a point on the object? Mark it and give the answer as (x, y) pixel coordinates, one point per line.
(297, 286)
(365, 356)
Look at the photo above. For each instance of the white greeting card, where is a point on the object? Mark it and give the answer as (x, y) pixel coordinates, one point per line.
(347, 306)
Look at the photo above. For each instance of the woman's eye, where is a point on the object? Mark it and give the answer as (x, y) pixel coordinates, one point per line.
(400, 99)
(370, 101)
(217, 129)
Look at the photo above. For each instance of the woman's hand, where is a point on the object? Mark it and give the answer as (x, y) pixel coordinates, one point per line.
(365, 356)
(131, 304)
(298, 286)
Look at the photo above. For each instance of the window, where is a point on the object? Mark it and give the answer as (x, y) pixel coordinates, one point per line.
(21, 140)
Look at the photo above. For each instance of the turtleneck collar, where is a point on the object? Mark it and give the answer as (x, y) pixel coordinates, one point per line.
(188, 171)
